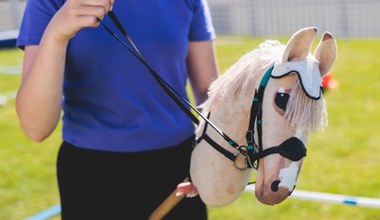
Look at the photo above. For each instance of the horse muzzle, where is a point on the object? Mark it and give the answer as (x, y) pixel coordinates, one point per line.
(276, 188)
(277, 173)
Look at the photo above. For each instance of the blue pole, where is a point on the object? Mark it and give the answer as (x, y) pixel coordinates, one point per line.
(46, 214)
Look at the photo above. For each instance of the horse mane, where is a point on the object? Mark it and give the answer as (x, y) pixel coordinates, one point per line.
(245, 73)
(243, 77)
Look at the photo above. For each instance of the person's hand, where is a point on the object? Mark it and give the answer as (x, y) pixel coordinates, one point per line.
(77, 14)
(187, 189)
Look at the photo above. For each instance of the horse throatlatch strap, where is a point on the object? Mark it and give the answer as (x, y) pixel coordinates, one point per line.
(213, 143)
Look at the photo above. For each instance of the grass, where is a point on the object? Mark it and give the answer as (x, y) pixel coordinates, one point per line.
(344, 159)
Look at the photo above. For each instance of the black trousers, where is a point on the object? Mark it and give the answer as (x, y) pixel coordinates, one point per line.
(109, 185)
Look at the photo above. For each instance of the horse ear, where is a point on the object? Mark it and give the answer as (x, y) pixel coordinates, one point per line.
(326, 53)
(298, 46)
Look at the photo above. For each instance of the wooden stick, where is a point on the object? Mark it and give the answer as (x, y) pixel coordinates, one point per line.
(168, 204)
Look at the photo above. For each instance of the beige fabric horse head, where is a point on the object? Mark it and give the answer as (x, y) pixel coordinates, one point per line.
(292, 106)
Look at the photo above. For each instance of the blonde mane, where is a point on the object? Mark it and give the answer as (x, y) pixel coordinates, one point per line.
(243, 77)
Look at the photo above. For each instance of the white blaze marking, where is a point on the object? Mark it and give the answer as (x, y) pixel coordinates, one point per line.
(288, 176)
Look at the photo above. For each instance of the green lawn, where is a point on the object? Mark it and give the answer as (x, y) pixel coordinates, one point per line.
(344, 159)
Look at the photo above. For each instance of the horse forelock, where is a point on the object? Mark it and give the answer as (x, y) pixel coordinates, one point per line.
(302, 111)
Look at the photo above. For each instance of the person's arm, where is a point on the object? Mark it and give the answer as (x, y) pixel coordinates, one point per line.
(202, 67)
(38, 102)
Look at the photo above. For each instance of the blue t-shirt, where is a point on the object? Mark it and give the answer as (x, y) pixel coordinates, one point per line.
(111, 102)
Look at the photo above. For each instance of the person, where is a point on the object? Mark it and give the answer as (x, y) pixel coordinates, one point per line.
(126, 144)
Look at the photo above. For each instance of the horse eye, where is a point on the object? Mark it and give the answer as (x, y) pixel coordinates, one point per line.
(281, 100)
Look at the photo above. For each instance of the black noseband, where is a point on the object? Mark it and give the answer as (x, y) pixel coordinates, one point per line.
(292, 149)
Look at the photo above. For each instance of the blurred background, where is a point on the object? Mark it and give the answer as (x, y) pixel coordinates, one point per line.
(342, 160)
(260, 18)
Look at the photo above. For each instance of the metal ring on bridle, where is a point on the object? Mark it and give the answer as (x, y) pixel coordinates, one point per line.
(234, 161)
(252, 162)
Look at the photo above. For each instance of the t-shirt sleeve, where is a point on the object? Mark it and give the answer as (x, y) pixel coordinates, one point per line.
(37, 16)
(201, 26)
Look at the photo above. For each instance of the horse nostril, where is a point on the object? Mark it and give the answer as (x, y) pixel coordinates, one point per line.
(274, 185)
